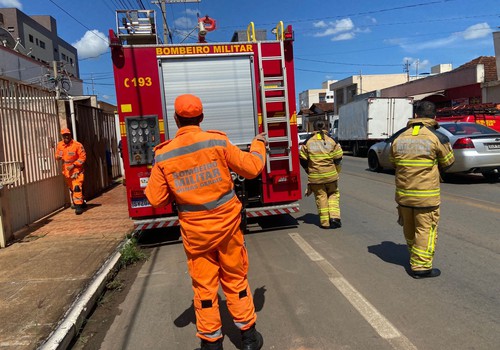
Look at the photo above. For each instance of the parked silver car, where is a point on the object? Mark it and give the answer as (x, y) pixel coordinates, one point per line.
(475, 146)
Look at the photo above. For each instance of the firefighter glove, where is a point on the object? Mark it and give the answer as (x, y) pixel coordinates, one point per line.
(400, 217)
(262, 137)
(308, 191)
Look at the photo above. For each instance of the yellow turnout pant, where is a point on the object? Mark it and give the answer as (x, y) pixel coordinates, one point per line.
(420, 230)
(327, 201)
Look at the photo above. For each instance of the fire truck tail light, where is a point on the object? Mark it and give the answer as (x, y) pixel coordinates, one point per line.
(137, 194)
(462, 143)
(284, 179)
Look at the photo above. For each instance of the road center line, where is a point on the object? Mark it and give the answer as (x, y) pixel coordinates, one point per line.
(381, 324)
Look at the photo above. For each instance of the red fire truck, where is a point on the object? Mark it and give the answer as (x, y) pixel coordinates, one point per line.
(487, 114)
(247, 87)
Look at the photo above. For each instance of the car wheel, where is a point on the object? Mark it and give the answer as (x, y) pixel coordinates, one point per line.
(373, 163)
(491, 176)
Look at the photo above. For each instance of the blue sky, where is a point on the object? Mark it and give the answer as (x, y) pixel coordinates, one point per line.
(333, 39)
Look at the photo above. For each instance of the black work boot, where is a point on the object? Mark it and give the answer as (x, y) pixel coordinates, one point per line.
(78, 209)
(335, 223)
(251, 339)
(426, 273)
(207, 345)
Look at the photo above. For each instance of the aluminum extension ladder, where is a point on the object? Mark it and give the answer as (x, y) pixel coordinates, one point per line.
(275, 83)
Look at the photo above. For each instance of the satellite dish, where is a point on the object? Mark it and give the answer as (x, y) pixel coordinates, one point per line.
(6, 39)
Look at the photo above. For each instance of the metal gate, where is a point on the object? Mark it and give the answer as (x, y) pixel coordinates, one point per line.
(29, 131)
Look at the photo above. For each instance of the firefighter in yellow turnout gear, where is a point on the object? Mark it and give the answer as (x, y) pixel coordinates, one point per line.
(419, 153)
(321, 157)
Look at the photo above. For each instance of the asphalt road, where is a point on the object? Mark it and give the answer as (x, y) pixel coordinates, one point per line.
(339, 289)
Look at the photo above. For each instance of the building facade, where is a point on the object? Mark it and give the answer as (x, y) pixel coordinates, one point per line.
(39, 39)
(346, 89)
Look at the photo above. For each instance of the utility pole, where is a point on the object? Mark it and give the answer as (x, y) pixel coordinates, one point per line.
(164, 14)
(406, 69)
(92, 78)
(164, 20)
(56, 79)
(360, 82)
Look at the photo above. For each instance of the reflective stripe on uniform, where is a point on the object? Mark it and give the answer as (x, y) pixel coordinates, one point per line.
(446, 158)
(258, 155)
(207, 206)
(181, 151)
(418, 193)
(415, 162)
(213, 335)
(323, 175)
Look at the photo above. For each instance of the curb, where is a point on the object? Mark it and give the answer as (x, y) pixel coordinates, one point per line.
(74, 318)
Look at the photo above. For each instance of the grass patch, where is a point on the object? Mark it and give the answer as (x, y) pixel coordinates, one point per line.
(131, 253)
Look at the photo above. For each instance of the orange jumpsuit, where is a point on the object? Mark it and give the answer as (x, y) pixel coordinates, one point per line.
(194, 170)
(73, 156)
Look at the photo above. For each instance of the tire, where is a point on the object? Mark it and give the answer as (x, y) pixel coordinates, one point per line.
(355, 149)
(373, 163)
(491, 176)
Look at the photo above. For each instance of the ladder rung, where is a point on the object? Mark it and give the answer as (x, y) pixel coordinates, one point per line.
(276, 120)
(279, 88)
(277, 139)
(274, 99)
(276, 78)
(279, 158)
(271, 58)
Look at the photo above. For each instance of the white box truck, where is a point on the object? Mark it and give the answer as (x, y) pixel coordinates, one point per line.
(364, 122)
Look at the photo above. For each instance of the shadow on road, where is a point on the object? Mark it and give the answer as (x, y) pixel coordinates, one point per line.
(391, 252)
(229, 329)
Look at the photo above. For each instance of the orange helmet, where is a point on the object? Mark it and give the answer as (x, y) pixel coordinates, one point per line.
(188, 106)
(65, 131)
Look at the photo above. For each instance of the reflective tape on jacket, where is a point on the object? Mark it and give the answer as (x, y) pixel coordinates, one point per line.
(416, 162)
(446, 158)
(323, 175)
(184, 208)
(189, 149)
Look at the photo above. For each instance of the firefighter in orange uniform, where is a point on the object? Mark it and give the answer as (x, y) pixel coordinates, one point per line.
(419, 153)
(194, 170)
(73, 157)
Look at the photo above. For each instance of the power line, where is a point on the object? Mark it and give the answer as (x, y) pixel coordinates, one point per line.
(349, 64)
(83, 25)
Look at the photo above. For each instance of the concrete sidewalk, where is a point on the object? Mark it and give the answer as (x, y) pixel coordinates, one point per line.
(50, 279)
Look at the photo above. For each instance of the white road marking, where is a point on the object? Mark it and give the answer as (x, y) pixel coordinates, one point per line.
(379, 323)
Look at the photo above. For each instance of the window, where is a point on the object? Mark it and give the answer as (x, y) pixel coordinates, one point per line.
(10, 29)
(351, 92)
(36, 41)
(63, 57)
(339, 96)
(31, 38)
(71, 61)
(42, 44)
